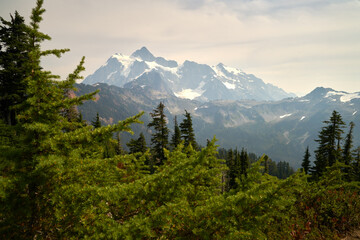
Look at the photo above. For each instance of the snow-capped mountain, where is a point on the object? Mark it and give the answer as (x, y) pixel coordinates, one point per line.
(189, 80)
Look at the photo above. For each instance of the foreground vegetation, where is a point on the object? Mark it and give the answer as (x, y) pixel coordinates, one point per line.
(60, 181)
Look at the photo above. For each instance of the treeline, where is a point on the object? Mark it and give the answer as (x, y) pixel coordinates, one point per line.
(59, 178)
(333, 149)
(237, 162)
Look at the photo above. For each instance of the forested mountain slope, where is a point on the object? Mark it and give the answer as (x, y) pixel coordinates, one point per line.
(282, 129)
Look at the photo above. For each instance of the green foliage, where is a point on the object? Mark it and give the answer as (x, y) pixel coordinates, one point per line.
(160, 135)
(244, 162)
(355, 166)
(329, 150)
(36, 150)
(328, 208)
(176, 137)
(96, 123)
(306, 161)
(138, 145)
(62, 179)
(187, 131)
(118, 147)
(14, 65)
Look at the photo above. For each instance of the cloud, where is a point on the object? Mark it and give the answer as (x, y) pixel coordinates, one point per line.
(191, 4)
(287, 43)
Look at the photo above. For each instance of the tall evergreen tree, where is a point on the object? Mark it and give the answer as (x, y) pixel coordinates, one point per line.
(187, 131)
(138, 145)
(244, 162)
(283, 170)
(347, 152)
(39, 122)
(176, 137)
(266, 164)
(306, 161)
(329, 149)
(96, 123)
(276, 169)
(355, 168)
(160, 136)
(39, 150)
(15, 47)
(231, 173)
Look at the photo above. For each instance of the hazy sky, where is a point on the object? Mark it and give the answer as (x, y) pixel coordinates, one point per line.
(294, 44)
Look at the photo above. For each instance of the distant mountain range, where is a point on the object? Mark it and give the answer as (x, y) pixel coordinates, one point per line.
(190, 80)
(282, 129)
(238, 108)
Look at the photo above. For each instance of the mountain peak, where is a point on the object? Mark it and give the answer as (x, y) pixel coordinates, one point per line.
(144, 54)
(211, 82)
(321, 91)
(318, 92)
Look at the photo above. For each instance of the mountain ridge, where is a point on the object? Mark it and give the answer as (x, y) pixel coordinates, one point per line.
(189, 80)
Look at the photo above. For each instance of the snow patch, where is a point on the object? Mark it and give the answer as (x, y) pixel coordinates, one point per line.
(205, 106)
(232, 70)
(229, 85)
(110, 75)
(286, 115)
(350, 96)
(286, 136)
(191, 93)
(188, 94)
(304, 137)
(332, 93)
(126, 61)
(218, 72)
(154, 65)
(344, 97)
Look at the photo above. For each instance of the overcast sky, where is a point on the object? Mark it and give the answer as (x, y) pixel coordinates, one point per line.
(294, 44)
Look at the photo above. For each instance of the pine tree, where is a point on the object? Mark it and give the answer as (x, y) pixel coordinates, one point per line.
(38, 123)
(306, 161)
(159, 139)
(329, 149)
(81, 121)
(283, 170)
(187, 131)
(14, 65)
(119, 150)
(96, 123)
(266, 164)
(176, 137)
(347, 152)
(42, 144)
(138, 145)
(231, 173)
(276, 169)
(355, 168)
(244, 162)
